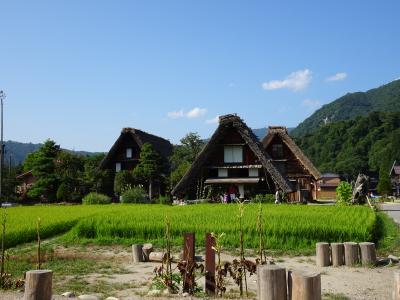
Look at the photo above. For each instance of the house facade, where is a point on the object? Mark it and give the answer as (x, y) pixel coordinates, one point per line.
(292, 163)
(125, 153)
(233, 162)
(25, 182)
(326, 188)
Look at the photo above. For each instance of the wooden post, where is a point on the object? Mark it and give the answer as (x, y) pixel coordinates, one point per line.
(337, 250)
(137, 253)
(271, 282)
(323, 255)
(157, 256)
(210, 265)
(368, 254)
(304, 286)
(396, 288)
(351, 254)
(38, 285)
(188, 246)
(147, 249)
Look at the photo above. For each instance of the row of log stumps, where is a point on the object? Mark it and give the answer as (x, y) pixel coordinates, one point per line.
(274, 284)
(141, 253)
(348, 253)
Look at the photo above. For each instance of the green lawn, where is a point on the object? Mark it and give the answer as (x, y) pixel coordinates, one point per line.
(288, 227)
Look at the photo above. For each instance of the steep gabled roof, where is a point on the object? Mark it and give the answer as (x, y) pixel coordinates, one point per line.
(282, 132)
(232, 120)
(163, 146)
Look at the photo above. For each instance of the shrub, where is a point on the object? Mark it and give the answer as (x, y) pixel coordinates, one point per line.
(63, 192)
(135, 195)
(164, 200)
(96, 198)
(344, 193)
(267, 198)
(123, 180)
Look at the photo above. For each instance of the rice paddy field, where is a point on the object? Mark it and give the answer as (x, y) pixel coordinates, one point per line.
(287, 227)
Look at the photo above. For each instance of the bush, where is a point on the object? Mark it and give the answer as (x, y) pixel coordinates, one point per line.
(164, 200)
(123, 181)
(96, 198)
(344, 193)
(63, 192)
(267, 198)
(135, 195)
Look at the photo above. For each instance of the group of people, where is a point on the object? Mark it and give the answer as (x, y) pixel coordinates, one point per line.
(231, 195)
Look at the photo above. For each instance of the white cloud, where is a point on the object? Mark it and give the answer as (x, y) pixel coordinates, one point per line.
(191, 114)
(175, 114)
(213, 120)
(337, 77)
(296, 81)
(196, 112)
(312, 104)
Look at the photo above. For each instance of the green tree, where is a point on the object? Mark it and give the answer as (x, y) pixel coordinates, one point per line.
(151, 167)
(123, 181)
(42, 164)
(184, 155)
(384, 186)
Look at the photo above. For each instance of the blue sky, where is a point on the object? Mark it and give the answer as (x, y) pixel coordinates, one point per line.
(79, 71)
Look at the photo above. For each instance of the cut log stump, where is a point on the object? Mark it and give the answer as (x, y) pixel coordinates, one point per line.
(323, 254)
(396, 287)
(137, 253)
(38, 285)
(147, 249)
(157, 256)
(368, 253)
(351, 254)
(337, 250)
(271, 282)
(304, 286)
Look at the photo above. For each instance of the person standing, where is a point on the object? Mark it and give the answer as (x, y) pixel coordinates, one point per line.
(278, 197)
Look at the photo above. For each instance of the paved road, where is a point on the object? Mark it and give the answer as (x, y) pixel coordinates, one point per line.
(393, 210)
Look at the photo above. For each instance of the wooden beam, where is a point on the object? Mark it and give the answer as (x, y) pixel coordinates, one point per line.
(210, 265)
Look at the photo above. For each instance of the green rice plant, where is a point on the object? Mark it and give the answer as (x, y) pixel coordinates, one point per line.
(286, 227)
(96, 198)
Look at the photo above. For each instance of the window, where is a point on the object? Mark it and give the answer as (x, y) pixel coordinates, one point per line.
(233, 154)
(253, 172)
(128, 152)
(277, 151)
(222, 172)
(117, 167)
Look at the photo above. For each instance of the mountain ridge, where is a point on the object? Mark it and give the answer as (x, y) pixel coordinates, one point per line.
(385, 98)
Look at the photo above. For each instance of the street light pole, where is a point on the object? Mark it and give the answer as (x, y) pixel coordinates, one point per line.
(2, 97)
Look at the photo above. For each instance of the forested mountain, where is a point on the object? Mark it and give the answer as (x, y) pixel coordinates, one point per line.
(363, 144)
(19, 151)
(385, 98)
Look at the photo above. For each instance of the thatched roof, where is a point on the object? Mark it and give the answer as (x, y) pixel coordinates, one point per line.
(163, 146)
(226, 122)
(282, 132)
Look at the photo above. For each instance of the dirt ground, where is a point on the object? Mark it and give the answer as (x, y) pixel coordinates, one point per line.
(126, 280)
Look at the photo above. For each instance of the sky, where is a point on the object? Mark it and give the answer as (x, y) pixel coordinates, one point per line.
(79, 71)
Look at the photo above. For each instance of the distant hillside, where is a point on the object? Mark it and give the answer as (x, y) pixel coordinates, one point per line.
(363, 144)
(18, 151)
(385, 98)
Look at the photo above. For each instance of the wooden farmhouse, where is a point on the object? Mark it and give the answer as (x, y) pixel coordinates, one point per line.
(233, 162)
(292, 163)
(395, 178)
(326, 187)
(25, 182)
(125, 153)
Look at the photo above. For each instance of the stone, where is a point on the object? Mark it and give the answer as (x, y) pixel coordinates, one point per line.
(112, 298)
(68, 295)
(393, 259)
(185, 294)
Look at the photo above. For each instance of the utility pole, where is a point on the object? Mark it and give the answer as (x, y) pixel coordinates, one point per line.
(2, 97)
